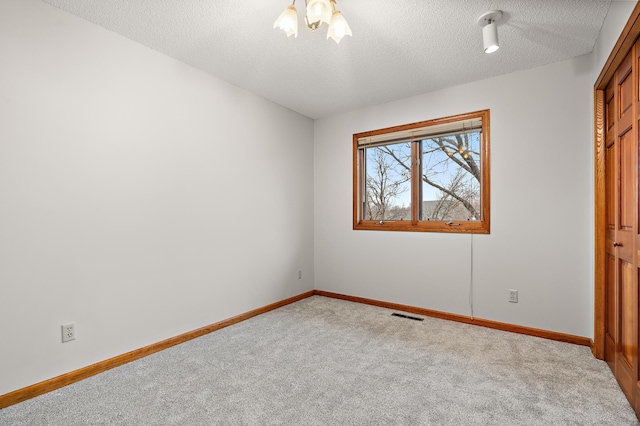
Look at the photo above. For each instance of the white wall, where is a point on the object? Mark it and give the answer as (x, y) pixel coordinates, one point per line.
(139, 197)
(541, 220)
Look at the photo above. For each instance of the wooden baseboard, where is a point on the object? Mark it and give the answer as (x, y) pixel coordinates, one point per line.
(545, 334)
(37, 389)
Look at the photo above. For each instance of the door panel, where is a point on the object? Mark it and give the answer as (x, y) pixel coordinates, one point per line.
(626, 180)
(626, 95)
(609, 108)
(625, 92)
(611, 332)
(610, 176)
(627, 312)
(611, 298)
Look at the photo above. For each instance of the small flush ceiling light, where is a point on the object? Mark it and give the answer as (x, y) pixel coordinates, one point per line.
(317, 12)
(490, 30)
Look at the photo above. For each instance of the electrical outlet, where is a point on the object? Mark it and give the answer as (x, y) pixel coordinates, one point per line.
(68, 332)
(513, 296)
(299, 274)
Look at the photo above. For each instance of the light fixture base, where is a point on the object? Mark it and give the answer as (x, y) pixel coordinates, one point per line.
(490, 16)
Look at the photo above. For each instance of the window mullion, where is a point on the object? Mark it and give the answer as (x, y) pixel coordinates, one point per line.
(415, 181)
(362, 161)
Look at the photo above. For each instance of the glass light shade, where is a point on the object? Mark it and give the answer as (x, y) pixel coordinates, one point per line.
(490, 37)
(338, 28)
(288, 21)
(319, 10)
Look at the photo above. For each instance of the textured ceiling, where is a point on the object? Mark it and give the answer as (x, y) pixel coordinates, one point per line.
(399, 48)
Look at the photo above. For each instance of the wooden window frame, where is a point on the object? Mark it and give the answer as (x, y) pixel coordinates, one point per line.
(481, 226)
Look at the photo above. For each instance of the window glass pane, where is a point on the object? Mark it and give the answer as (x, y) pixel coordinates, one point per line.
(450, 177)
(388, 182)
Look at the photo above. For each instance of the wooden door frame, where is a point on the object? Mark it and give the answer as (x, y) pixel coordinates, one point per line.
(624, 44)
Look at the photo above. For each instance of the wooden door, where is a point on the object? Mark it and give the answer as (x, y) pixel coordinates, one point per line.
(621, 188)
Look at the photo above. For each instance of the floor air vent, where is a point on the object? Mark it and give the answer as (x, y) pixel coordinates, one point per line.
(395, 314)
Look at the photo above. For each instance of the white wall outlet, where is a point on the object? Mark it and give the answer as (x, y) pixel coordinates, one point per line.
(68, 332)
(299, 274)
(513, 296)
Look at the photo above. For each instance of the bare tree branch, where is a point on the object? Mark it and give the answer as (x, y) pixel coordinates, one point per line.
(460, 192)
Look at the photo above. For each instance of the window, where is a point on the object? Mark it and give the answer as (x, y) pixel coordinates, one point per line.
(431, 176)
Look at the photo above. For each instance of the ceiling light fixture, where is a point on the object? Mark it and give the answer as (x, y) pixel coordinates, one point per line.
(317, 12)
(490, 30)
